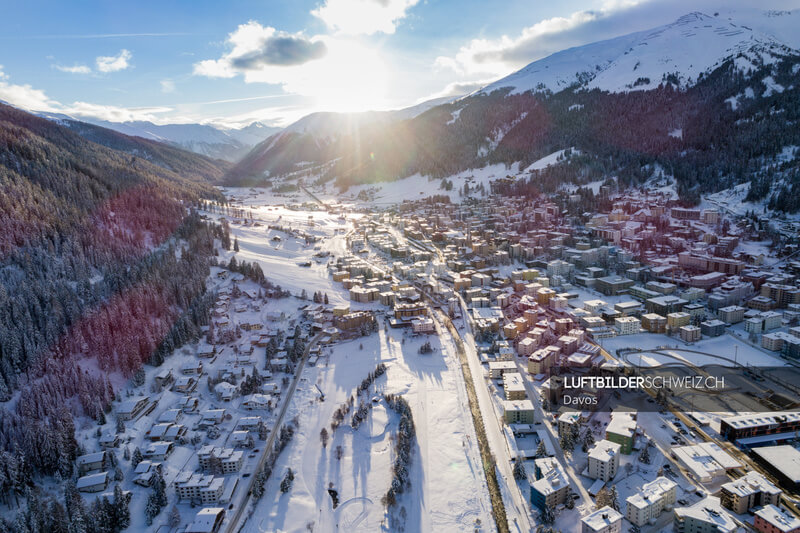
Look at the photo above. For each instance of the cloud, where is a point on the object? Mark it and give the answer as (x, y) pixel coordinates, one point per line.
(75, 69)
(256, 48)
(26, 97)
(167, 86)
(354, 17)
(352, 75)
(114, 63)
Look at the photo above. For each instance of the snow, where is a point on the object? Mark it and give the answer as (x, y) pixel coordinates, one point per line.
(772, 86)
(454, 116)
(692, 45)
(550, 159)
(448, 489)
(677, 133)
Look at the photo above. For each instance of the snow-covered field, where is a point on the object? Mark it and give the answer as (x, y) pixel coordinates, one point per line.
(448, 490)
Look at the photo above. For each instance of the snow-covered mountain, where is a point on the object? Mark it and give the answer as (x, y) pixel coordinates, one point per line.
(680, 52)
(205, 139)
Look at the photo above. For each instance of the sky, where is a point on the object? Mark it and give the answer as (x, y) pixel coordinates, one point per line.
(234, 62)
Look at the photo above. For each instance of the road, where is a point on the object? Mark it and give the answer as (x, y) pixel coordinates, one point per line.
(233, 524)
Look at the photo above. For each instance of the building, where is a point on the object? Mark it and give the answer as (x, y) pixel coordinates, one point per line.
(783, 462)
(423, 325)
(677, 320)
(603, 520)
(513, 386)
(91, 461)
(654, 323)
(199, 487)
(663, 305)
(569, 422)
(613, 285)
(498, 368)
(749, 491)
(549, 483)
(622, 430)
(712, 328)
(207, 520)
(705, 461)
(223, 460)
(757, 425)
(654, 498)
(604, 460)
(689, 333)
(733, 314)
(773, 519)
(130, 409)
(705, 516)
(627, 325)
(518, 411)
(93, 482)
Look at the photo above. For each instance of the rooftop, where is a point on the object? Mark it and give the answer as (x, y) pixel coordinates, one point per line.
(601, 518)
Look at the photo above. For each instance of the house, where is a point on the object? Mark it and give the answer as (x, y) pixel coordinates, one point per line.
(192, 368)
(185, 384)
(166, 431)
(207, 520)
(159, 450)
(705, 516)
(188, 404)
(241, 439)
(91, 461)
(206, 351)
(212, 417)
(109, 440)
(655, 497)
(129, 409)
(604, 460)
(257, 402)
(171, 416)
(603, 520)
(164, 377)
(225, 391)
(423, 325)
(145, 471)
(93, 482)
(248, 423)
(773, 519)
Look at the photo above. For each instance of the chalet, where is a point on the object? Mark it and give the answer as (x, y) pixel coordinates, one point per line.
(91, 461)
(145, 471)
(256, 402)
(185, 384)
(109, 440)
(248, 423)
(192, 368)
(206, 351)
(130, 409)
(225, 391)
(171, 416)
(207, 520)
(212, 417)
(164, 377)
(241, 439)
(187, 404)
(159, 450)
(93, 483)
(166, 432)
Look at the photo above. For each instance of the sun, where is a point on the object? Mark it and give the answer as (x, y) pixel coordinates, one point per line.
(354, 78)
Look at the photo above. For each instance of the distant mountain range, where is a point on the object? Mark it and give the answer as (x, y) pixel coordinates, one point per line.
(707, 98)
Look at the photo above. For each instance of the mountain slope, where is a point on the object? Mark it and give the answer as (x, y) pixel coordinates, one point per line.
(683, 50)
(191, 165)
(204, 139)
(719, 121)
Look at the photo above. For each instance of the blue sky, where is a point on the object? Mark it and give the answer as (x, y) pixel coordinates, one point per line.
(237, 61)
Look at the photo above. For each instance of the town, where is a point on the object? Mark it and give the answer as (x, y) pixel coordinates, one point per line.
(502, 297)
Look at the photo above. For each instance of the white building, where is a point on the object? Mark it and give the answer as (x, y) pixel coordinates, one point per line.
(705, 461)
(228, 459)
(603, 520)
(604, 460)
(198, 487)
(655, 497)
(627, 325)
(705, 516)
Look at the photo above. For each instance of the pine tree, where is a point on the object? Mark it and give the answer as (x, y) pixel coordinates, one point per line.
(235, 244)
(519, 470)
(541, 450)
(122, 514)
(613, 498)
(174, 517)
(644, 456)
(137, 457)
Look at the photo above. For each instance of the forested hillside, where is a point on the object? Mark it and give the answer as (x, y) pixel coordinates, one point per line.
(726, 128)
(102, 267)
